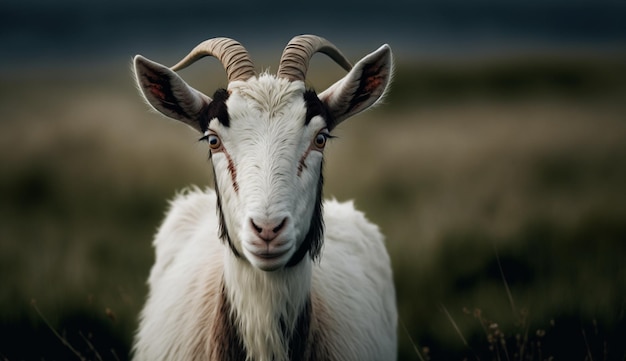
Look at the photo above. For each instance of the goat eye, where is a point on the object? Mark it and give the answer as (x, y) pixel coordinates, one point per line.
(214, 141)
(320, 140)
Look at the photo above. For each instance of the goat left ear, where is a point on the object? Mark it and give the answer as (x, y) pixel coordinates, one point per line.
(364, 85)
(166, 92)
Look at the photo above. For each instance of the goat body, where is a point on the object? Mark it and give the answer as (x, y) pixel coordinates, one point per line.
(275, 274)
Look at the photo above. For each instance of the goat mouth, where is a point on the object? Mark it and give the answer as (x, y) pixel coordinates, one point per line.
(269, 255)
(268, 261)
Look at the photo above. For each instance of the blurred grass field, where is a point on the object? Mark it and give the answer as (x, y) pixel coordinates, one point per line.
(499, 185)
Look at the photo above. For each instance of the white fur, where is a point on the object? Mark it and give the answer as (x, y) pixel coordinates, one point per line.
(353, 278)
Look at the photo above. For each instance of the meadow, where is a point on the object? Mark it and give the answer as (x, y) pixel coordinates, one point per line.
(499, 184)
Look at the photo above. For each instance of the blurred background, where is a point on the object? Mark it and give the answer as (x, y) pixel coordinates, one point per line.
(496, 166)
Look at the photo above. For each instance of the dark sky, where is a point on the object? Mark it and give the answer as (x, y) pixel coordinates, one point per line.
(73, 32)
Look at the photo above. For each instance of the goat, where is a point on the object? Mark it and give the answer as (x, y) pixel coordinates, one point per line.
(276, 273)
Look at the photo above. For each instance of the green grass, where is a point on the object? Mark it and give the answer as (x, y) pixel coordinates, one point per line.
(523, 157)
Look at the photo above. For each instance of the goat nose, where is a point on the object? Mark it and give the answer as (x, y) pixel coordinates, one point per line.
(267, 231)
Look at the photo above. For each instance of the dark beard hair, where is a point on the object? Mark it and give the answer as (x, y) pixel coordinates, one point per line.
(223, 230)
(314, 238)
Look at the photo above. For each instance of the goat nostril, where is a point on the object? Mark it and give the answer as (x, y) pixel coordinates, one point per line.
(256, 228)
(280, 226)
(265, 231)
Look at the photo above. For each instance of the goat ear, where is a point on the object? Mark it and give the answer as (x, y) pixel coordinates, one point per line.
(362, 87)
(166, 92)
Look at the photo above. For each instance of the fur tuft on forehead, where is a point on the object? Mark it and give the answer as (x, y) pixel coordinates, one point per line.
(268, 94)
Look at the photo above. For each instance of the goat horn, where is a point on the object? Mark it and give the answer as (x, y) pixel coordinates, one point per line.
(233, 56)
(295, 59)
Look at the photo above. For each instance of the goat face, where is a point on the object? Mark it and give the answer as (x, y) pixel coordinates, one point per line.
(266, 136)
(267, 162)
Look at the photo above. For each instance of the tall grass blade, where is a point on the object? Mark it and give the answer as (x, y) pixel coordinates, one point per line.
(415, 347)
(506, 284)
(457, 329)
(61, 338)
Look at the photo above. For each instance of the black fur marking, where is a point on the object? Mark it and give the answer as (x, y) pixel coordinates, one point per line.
(314, 238)
(298, 339)
(229, 345)
(161, 88)
(314, 106)
(223, 234)
(216, 109)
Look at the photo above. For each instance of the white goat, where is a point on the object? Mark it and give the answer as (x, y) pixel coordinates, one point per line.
(245, 284)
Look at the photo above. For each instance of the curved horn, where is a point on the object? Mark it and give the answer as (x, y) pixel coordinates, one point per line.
(233, 56)
(295, 59)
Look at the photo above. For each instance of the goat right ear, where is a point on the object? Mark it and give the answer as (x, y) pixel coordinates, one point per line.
(168, 93)
(362, 87)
